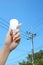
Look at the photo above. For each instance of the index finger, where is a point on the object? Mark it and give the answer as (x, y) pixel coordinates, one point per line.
(19, 25)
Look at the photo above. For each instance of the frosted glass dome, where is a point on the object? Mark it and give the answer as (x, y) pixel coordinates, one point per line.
(13, 24)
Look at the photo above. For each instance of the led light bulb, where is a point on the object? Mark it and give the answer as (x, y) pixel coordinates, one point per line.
(13, 24)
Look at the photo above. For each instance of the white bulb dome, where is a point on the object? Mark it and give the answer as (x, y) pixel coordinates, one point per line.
(13, 24)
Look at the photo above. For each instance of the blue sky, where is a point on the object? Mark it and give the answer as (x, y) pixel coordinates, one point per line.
(30, 14)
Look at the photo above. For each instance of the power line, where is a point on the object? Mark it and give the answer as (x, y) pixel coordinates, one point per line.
(4, 20)
(3, 27)
(22, 31)
(4, 24)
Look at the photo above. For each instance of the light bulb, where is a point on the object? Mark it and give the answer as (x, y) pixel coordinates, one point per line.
(13, 24)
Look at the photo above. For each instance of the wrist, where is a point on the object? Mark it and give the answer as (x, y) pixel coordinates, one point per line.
(6, 49)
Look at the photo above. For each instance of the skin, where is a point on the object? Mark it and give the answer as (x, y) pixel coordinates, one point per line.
(11, 42)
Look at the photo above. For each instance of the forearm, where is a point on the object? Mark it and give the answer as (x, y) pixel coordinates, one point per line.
(4, 55)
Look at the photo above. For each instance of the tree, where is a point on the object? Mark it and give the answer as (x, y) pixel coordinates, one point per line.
(38, 59)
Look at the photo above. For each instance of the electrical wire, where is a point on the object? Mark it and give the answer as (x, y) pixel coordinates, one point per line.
(4, 24)
(4, 20)
(3, 27)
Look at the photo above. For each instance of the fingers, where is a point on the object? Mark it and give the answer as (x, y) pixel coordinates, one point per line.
(16, 35)
(18, 39)
(17, 29)
(15, 32)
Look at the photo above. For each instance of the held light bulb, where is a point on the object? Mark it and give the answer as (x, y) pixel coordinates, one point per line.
(13, 24)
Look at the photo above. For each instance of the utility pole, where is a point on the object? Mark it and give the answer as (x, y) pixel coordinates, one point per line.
(31, 37)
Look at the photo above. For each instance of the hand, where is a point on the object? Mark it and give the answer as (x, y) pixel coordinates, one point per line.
(12, 38)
